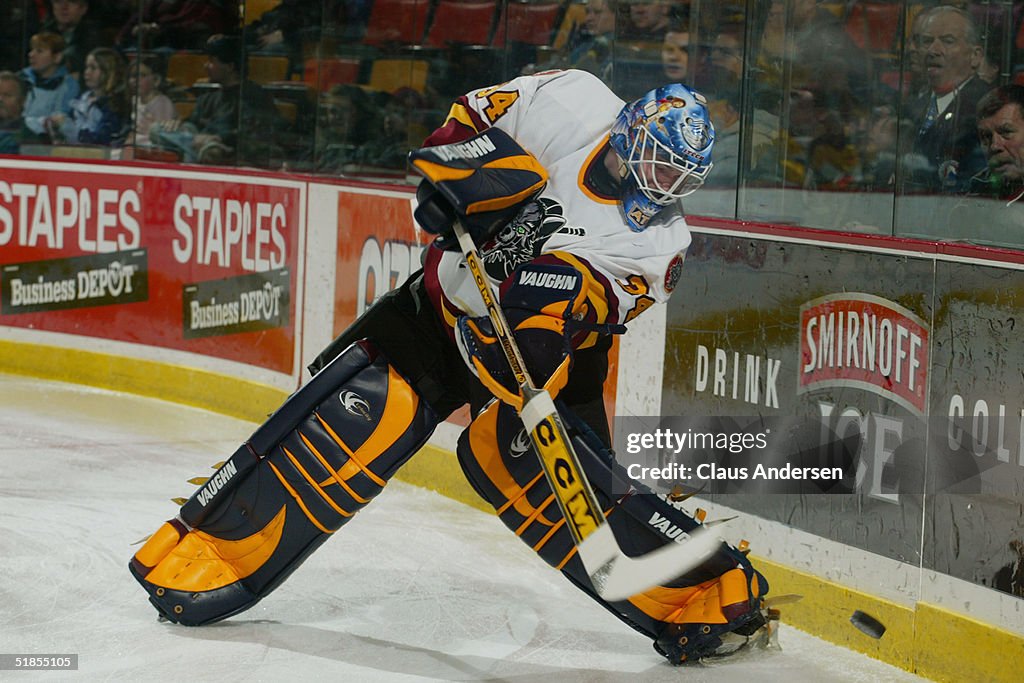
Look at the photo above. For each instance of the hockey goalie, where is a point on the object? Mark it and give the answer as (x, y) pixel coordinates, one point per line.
(572, 198)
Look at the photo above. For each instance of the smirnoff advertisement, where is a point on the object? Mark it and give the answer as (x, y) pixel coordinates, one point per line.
(906, 361)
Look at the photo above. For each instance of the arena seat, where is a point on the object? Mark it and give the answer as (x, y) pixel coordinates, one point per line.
(287, 110)
(529, 23)
(874, 26)
(184, 107)
(321, 74)
(254, 9)
(463, 22)
(396, 22)
(267, 68)
(185, 67)
(391, 74)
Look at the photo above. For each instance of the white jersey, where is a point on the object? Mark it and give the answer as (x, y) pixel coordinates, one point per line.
(563, 119)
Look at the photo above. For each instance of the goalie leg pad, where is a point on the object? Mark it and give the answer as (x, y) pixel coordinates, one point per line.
(324, 455)
(686, 617)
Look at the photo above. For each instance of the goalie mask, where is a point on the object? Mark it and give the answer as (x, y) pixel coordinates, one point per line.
(664, 140)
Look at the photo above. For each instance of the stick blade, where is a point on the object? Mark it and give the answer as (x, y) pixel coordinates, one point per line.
(616, 576)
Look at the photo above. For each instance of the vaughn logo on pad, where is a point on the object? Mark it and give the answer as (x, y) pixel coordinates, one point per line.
(866, 342)
(549, 280)
(479, 146)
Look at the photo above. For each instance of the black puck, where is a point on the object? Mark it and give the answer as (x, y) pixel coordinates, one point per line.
(867, 624)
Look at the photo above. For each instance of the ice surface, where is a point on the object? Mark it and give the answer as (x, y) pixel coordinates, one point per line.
(416, 588)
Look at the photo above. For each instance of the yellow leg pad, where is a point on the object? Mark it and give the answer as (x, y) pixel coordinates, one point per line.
(700, 604)
(159, 545)
(200, 562)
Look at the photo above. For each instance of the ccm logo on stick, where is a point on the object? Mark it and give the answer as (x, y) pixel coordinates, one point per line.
(570, 490)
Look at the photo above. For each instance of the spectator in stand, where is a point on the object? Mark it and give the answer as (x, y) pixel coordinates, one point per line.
(639, 42)
(592, 49)
(146, 81)
(178, 24)
(812, 76)
(346, 119)
(81, 32)
(51, 87)
(727, 51)
(236, 122)
(722, 89)
(881, 130)
(879, 137)
(647, 21)
(1001, 131)
(13, 131)
(945, 151)
(814, 151)
(102, 114)
(675, 54)
(914, 70)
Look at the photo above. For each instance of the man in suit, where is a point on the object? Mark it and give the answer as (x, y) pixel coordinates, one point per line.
(945, 151)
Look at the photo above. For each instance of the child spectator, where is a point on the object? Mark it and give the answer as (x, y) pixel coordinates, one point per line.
(146, 80)
(51, 87)
(100, 115)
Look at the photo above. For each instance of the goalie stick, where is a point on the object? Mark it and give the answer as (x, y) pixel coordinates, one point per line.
(614, 575)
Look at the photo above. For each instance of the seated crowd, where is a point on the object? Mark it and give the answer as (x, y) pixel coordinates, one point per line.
(800, 98)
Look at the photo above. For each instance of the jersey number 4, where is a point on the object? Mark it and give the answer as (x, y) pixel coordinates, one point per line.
(498, 102)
